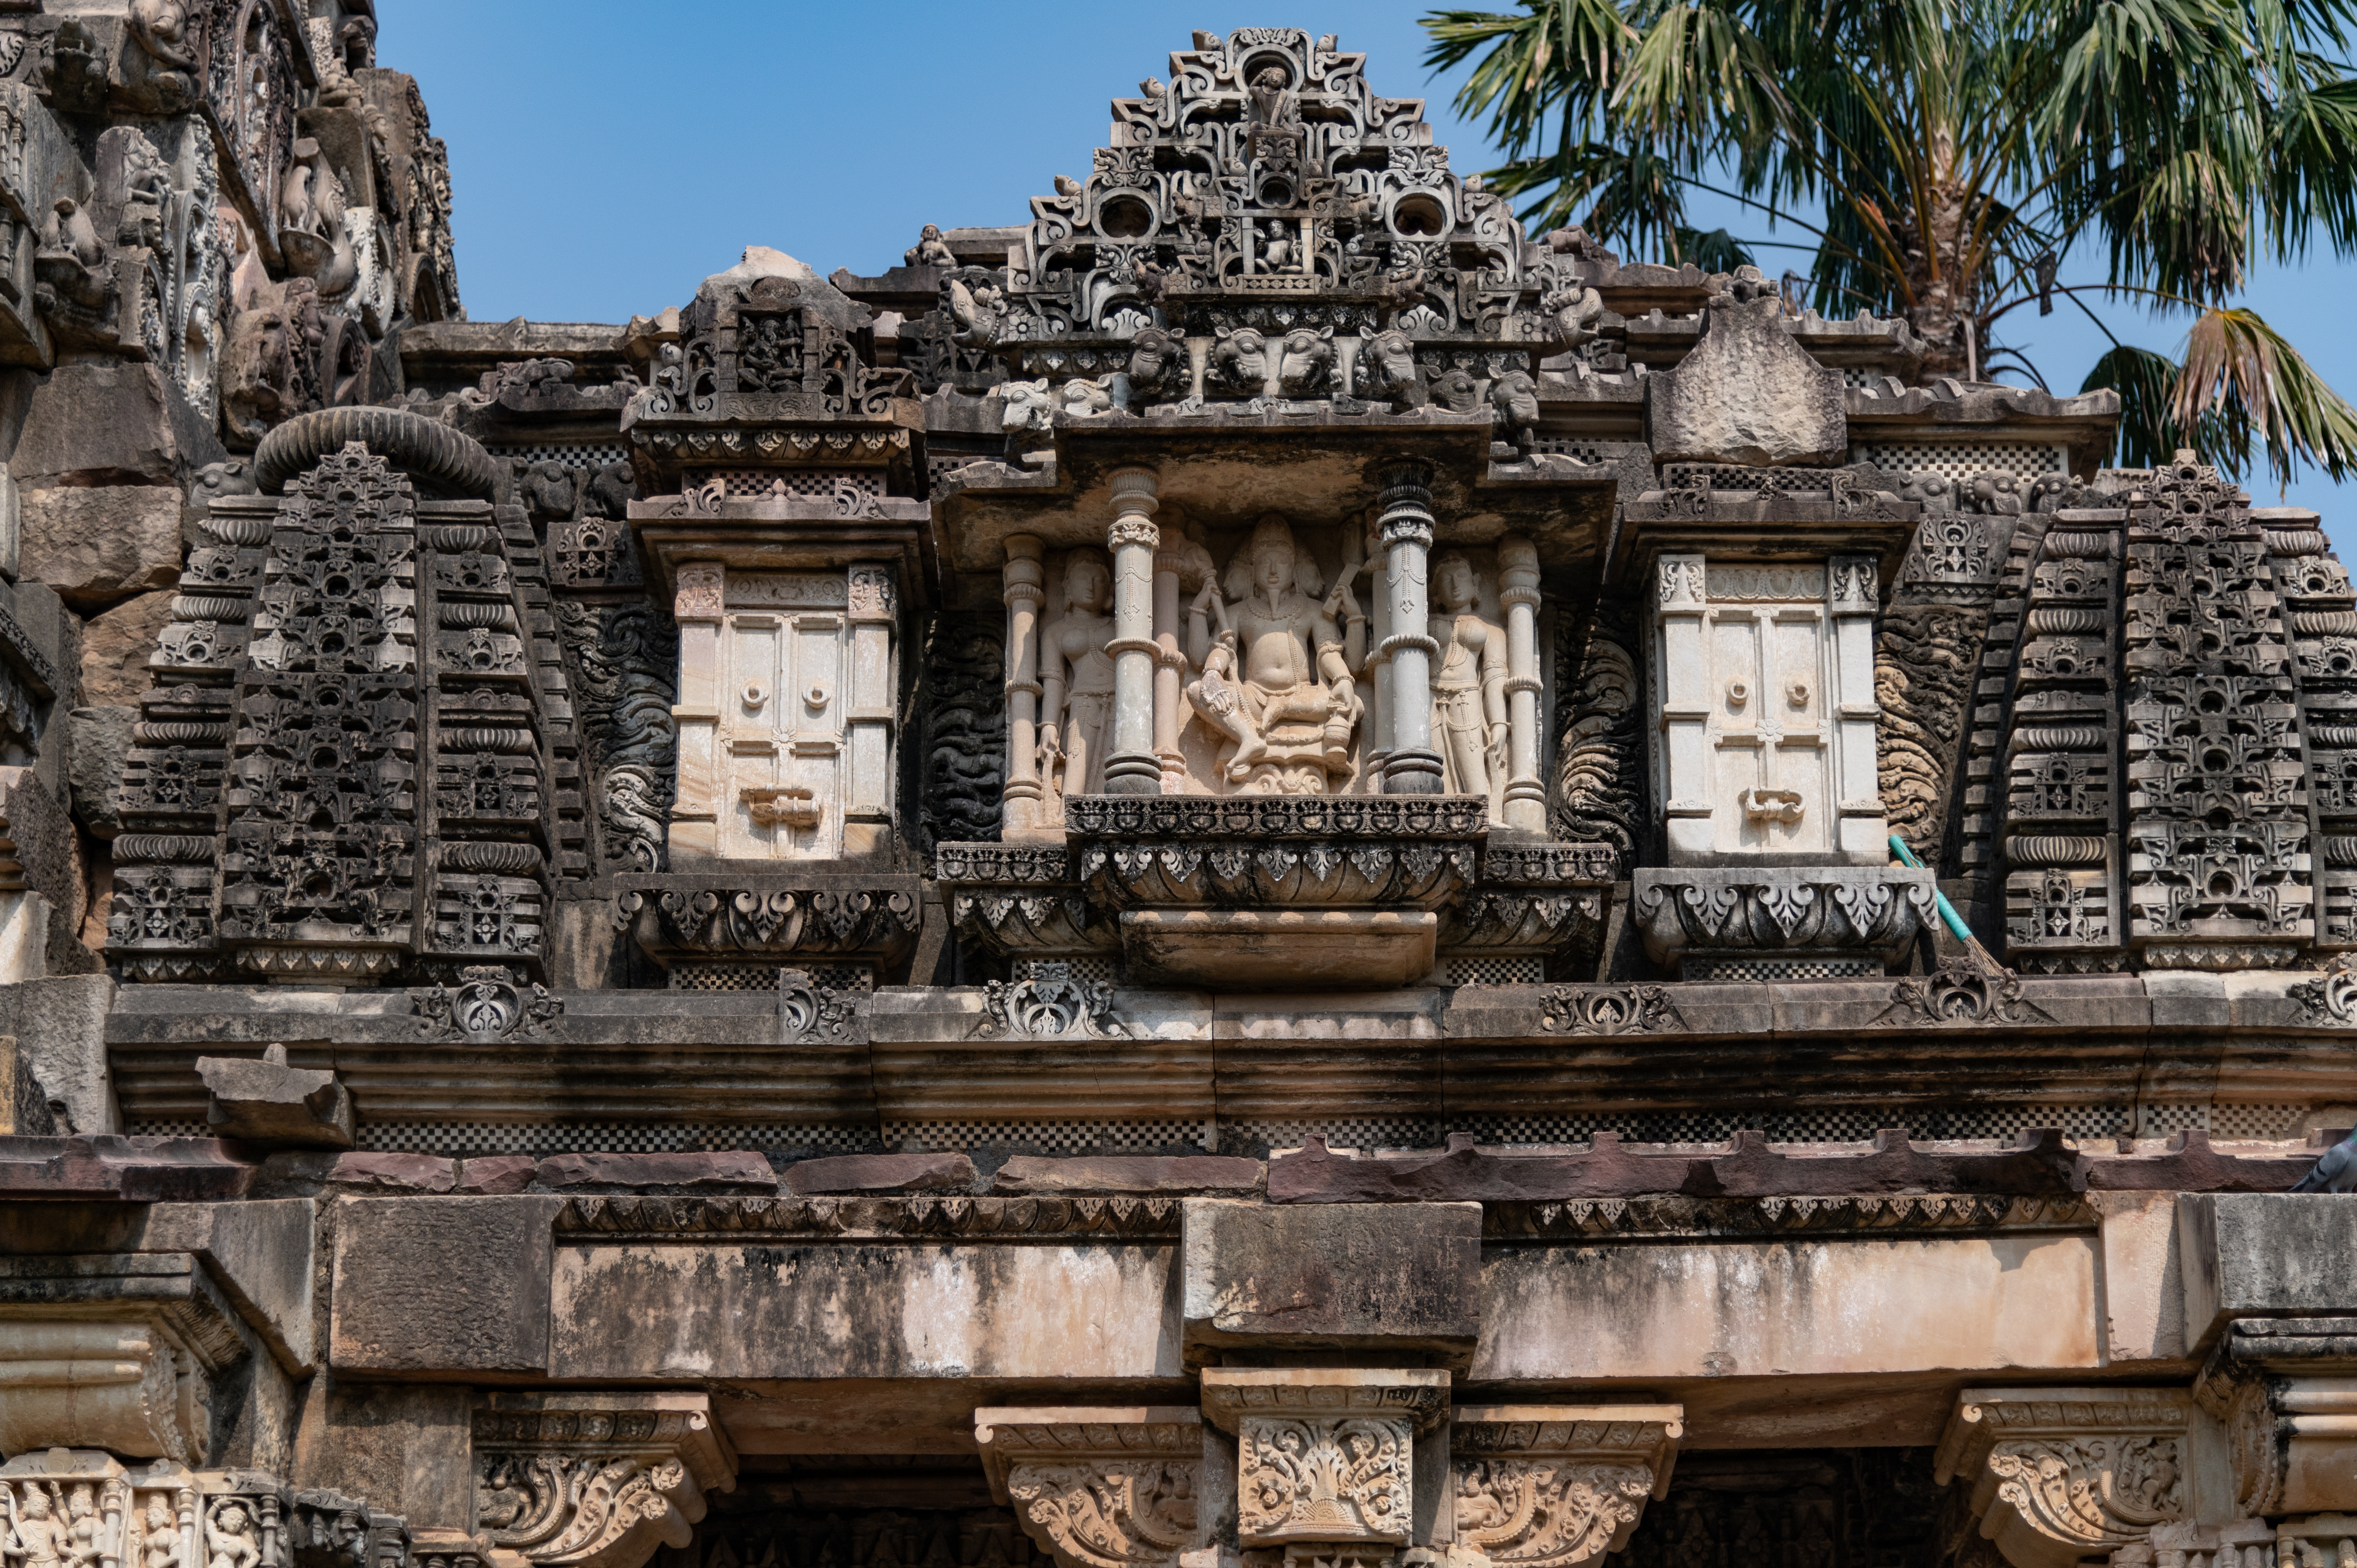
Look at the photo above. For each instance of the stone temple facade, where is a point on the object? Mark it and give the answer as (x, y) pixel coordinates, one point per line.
(1258, 874)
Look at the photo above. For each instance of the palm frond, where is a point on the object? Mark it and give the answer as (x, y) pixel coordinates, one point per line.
(2150, 433)
(2239, 367)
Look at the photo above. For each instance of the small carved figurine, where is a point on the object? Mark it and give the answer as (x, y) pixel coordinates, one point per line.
(1076, 711)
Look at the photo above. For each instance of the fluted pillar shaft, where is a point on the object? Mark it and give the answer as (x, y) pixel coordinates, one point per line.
(1413, 766)
(1133, 769)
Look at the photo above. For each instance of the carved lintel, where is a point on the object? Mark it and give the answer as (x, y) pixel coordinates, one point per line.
(596, 1481)
(1557, 1486)
(1098, 1487)
(2060, 1475)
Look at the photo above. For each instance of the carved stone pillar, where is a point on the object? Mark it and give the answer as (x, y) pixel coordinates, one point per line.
(1023, 578)
(1852, 600)
(1132, 769)
(1518, 585)
(695, 810)
(1379, 661)
(1682, 677)
(1299, 1430)
(1169, 660)
(1413, 766)
(871, 707)
(2058, 1475)
(108, 1375)
(1557, 1486)
(1101, 1487)
(2286, 1390)
(594, 1480)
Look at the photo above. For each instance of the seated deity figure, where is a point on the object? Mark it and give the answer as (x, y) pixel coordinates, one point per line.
(1469, 687)
(1278, 680)
(1076, 705)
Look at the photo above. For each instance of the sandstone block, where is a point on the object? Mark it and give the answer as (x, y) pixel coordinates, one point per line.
(266, 1102)
(97, 741)
(1185, 1176)
(880, 1173)
(310, 1172)
(97, 547)
(24, 1104)
(496, 1175)
(736, 1172)
(59, 1022)
(114, 424)
(116, 647)
(2264, 1256)
(442, 1284)
(1372, 1277)
(1747, 393)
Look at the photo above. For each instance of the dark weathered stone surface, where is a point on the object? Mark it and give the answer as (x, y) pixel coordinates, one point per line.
(99, 547)
(496, 1175)
(1182, 1175)
(404, 1447)
(1366, 1277)
(692, 1173)
(442, 1284)
(267, 1102)
(111, 424)
(116, 645)
(312, 1172)
(97, 740)
(881, 1174)
(2040, 1165)
(2190, 1165)
(59, 1022)
(2264, 1256)
(137, 1170)
(24, 1104)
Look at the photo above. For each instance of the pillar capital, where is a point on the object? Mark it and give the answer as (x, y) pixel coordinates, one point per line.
(1557, 1486)
(596, 1481)
(1098, 1487)
(2058, 1475)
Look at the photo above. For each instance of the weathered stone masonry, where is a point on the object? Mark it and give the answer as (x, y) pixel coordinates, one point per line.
(1205, 883)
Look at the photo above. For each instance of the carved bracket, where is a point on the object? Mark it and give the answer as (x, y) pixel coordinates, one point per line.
(1097, 1488)
(1557, 1486)
(596, 1481)
(2060, 1475)
(2283, 1391)
(1324, 1455)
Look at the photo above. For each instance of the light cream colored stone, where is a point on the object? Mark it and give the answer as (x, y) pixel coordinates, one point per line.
(97, 546)
(1279, 950)
(1557, 1485)
(2143, 1305)
(1324, 1455)
(1797, 1308)
(2060, 1474)
(1766, 672)
(637, 1468)
(1098, 1487)
(787, 694)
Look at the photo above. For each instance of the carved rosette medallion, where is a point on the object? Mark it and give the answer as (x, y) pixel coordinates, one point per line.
(1557, 1486)
(1097, 1488)
(2060, 1474)
(596, 1481)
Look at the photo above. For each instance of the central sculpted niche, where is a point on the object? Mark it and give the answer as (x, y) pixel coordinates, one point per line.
(1278, 693)
(1271, 647)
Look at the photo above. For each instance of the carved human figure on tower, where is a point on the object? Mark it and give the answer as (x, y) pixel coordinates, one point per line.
(1469, 687)
(1279, 680)
(1076, 705)
(39, 1535)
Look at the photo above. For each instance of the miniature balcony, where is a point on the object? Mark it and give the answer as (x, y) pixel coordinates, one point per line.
(1283, 893)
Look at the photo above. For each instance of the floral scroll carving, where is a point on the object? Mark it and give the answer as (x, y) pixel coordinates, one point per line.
(1098, 1488)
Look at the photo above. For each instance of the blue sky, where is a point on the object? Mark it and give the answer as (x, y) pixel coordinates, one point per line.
(606, 156)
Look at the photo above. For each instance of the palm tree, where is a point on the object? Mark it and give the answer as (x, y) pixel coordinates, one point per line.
(1950, 159)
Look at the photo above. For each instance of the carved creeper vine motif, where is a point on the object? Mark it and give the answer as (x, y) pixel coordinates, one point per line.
(1538, 1513)
(1319, 1480)
(2097, 1492)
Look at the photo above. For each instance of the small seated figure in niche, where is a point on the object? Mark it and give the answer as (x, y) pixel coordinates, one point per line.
(1076, 705)
(930, 250)
(770, 354)
(1278, 680)
(1469, 687)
